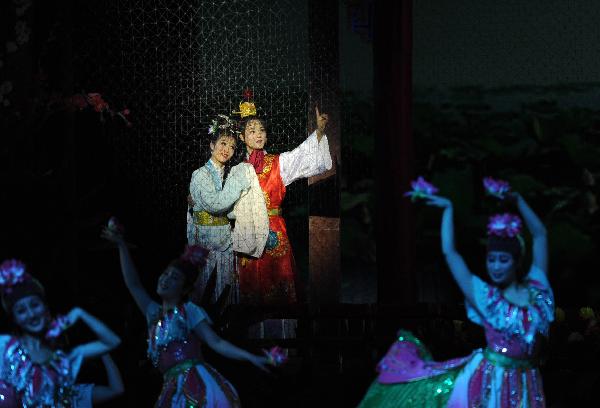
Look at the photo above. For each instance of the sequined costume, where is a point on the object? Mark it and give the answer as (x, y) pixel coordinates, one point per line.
(24, 383)
(504, 374)
(270, 279)
(176, 351)
(209, 227)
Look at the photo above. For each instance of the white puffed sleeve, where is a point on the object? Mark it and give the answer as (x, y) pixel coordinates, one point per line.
(309, 159)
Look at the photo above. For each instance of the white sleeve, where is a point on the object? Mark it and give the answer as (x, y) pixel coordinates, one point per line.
(309, 159)
(195, 314)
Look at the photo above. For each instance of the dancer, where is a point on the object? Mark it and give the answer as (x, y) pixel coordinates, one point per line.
(33, 371)
(210, 200)
(514, 310)
(270, 278)
(176, 329)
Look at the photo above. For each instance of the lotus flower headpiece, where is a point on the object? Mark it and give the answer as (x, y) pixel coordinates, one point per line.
(505, 225)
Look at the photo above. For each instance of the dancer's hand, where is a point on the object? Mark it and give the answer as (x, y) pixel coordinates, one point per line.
(260, 362)
(513, 197)
(322, 119)
(73, 315)
(438, 201)
(113, 236)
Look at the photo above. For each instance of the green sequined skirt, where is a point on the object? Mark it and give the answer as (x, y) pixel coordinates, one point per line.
(430, 392)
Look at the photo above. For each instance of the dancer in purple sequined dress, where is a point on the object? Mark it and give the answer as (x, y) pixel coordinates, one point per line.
(515, 311)
(34, 372)
(176, 330)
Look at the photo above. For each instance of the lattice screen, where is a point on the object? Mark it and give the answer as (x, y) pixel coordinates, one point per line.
(176, 65)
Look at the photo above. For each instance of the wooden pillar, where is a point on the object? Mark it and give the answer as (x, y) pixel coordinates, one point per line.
(392, 50)
(324, 192)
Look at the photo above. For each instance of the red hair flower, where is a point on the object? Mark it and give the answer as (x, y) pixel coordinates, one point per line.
(195, 254)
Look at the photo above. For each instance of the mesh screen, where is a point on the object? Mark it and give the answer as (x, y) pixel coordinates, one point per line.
(176, 66)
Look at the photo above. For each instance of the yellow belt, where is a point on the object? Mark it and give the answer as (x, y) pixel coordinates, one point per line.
(273, 212)
(206, 219)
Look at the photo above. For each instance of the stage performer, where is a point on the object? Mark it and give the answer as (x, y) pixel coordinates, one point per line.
(270, 278)
(514, 310)
(176, 329)
(213, 191)
(34, 372)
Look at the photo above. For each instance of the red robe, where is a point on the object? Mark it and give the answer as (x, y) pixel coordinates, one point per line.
(270, 278)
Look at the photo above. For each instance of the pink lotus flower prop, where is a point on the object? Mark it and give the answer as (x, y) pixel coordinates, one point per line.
(115, 226)
(12, 272)
(421, 188)
(496, 188)
(195, 254)
(276, 356)
(58, 325)
(505, 225)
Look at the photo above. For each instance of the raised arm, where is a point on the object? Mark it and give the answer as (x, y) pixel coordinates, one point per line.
(204, 192)
(107, 339)
(102, 393)
(223, 347)
(312, 157)
(130, 274)
(458, 268)
(538, 233)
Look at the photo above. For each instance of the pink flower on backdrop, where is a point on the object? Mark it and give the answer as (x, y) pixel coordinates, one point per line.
(77, 101)
(97, 102)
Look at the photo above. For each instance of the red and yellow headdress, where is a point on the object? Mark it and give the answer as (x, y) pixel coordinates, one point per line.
(247, 107)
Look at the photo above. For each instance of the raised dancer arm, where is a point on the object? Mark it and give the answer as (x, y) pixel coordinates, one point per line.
(461, 273)
(102, 393)
(130, 274)
(107, 339)
(538, 233)
(225, 348)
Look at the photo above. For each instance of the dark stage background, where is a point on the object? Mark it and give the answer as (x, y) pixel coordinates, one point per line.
(454, 92)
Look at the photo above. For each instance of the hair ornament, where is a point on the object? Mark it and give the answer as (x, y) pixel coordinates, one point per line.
(12, 272)
(247, 107)
(222, 122)
(505, 225)
(195, 254)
